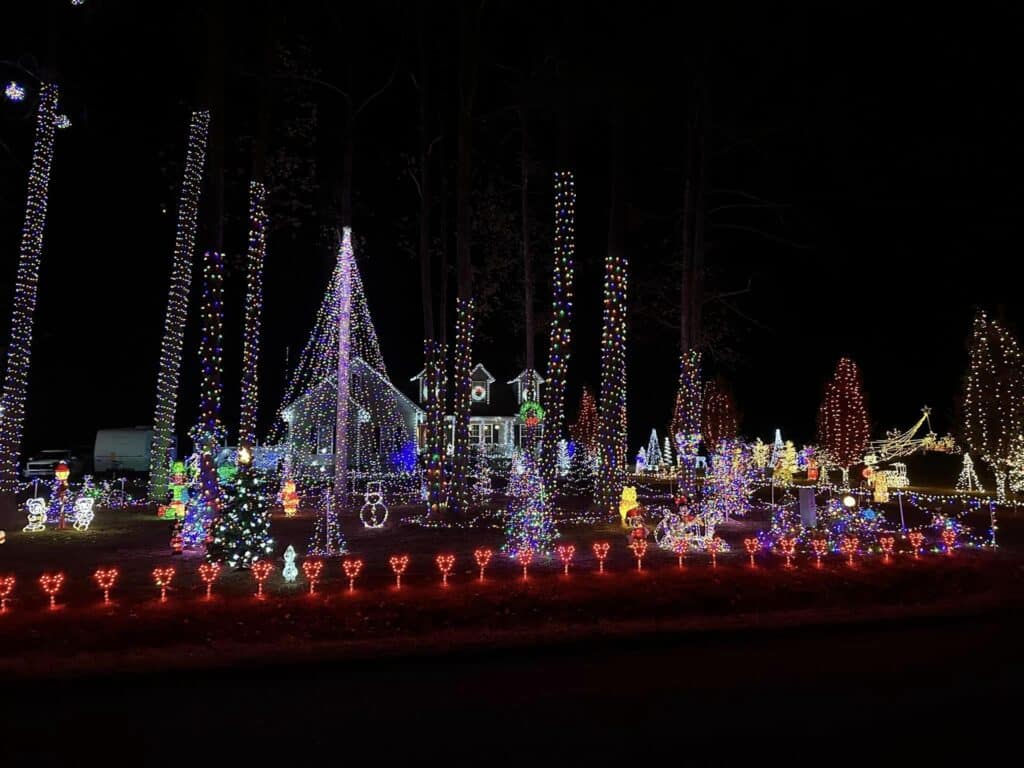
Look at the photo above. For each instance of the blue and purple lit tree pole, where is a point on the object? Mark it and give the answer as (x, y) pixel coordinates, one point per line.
(26, 289)
(344, 298)
(177, 306)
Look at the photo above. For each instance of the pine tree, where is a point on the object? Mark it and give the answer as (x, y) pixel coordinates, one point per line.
(843, 429)
(994, 397)
(584, 429)
(729, 483)
(241, 534)
(720, 422)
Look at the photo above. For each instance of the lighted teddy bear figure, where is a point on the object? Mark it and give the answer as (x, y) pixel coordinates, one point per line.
(627, 502)
(36, 515)
(83, 512)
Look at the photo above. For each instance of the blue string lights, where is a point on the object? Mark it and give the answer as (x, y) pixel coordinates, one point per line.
(26, 290)
(177, 306)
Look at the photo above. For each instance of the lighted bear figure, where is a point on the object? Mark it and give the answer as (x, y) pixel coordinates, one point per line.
(627, 502)
(36, 515)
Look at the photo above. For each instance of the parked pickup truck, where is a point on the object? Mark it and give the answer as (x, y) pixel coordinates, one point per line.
(44, 462)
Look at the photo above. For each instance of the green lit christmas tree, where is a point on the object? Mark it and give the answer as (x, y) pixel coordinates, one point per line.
(241, 534)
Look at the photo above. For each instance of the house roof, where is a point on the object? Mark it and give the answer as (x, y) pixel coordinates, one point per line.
(479, 367)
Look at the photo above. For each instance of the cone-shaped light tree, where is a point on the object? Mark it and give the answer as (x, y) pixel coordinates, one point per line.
(720, 421)
(843, 427)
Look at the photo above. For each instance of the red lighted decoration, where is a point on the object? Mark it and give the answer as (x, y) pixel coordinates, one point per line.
(565, 554)
(209, 572)
(51, 584)
(820, 548)
(752, 545)
(525, 557)
(949, 539)
(398, 564)
(788, 547)
(445, 563)
(483, 557)
(6, 588)
(261, 570)
(639, 547)
(887, 543)
(713, 547)
(601, 552)
(163, 578)
(312, 569)
(352, 569)
(680, 547)
(849, 546)
(105, 578)
(916, 540)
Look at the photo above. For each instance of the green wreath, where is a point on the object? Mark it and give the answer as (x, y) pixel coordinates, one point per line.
(531, 413)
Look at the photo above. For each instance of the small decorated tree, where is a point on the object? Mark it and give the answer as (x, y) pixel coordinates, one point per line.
(584, 429)
(653, 452)
(720, 422)
(968, 480)
(843, 428)
(528, 522)
(241, 534)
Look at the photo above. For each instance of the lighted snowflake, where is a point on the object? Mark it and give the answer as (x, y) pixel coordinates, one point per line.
(63, 121)
(15, 91)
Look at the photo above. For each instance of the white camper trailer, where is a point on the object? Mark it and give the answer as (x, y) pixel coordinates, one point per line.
(123, 450)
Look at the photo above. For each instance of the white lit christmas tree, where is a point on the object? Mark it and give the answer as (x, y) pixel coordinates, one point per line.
(653, 452)
(968, 480)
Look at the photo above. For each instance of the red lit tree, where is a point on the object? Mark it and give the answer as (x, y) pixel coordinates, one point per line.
(584, 430)
(993, 396)
(843, 429)
(720, 420)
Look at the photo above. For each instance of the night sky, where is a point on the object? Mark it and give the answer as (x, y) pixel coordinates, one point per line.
(884, 150)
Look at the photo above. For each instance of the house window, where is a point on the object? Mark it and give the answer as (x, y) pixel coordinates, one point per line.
(490, 434)
(474, 433)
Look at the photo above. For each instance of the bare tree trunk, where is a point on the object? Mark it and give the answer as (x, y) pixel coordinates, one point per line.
(524, 204)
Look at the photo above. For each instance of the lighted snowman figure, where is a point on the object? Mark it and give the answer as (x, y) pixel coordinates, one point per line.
(290, 572)
(36, 515)
(373, 513)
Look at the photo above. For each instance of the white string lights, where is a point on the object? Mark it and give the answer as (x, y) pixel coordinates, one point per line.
(253, 311)
(561, 323)
(344, 295)
(26, 290)
(177, 306)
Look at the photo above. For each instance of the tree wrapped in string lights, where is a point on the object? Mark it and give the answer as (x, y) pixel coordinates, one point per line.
(344, 296)
(653, 452)
(730, 480)
(612, 407)
(177, 306)
(686, 419)
(584, 429)
(994, 397)
(253, 311)
(435, 435)
(843, 428)
(26, 289)
(462, 364)
(208, 434)
(719, 421)
(241, 534)
(561, 323)
(529, 525)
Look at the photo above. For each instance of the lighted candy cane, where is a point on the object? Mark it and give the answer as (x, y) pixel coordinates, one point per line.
(483, 557)
(820, 547)
(260, 571)
(105, 578)
(352, 569)
(713, 546)
(525, 557)
(916, 540)
(887, 542)
(639, 547)
(163, 578)
(6, 588)
(312, 568)
(444, 564)
(51, 584)
(601, 552)
(788, 547)
(752, 545)
(849, 546)
(398, 564)
(565, 553)
(680, 546)
(209, 572)
(949, 539)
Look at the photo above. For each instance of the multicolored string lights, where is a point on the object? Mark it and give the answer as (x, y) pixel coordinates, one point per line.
(253, 311)
(26, 290)
(612, 406)
(177, 307)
